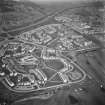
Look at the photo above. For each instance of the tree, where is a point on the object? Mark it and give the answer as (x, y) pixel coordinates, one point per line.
(6, 5)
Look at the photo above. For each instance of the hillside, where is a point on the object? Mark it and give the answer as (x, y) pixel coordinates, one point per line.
(15, 14)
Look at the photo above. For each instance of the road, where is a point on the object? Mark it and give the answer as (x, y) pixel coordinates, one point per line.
(46, 17)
